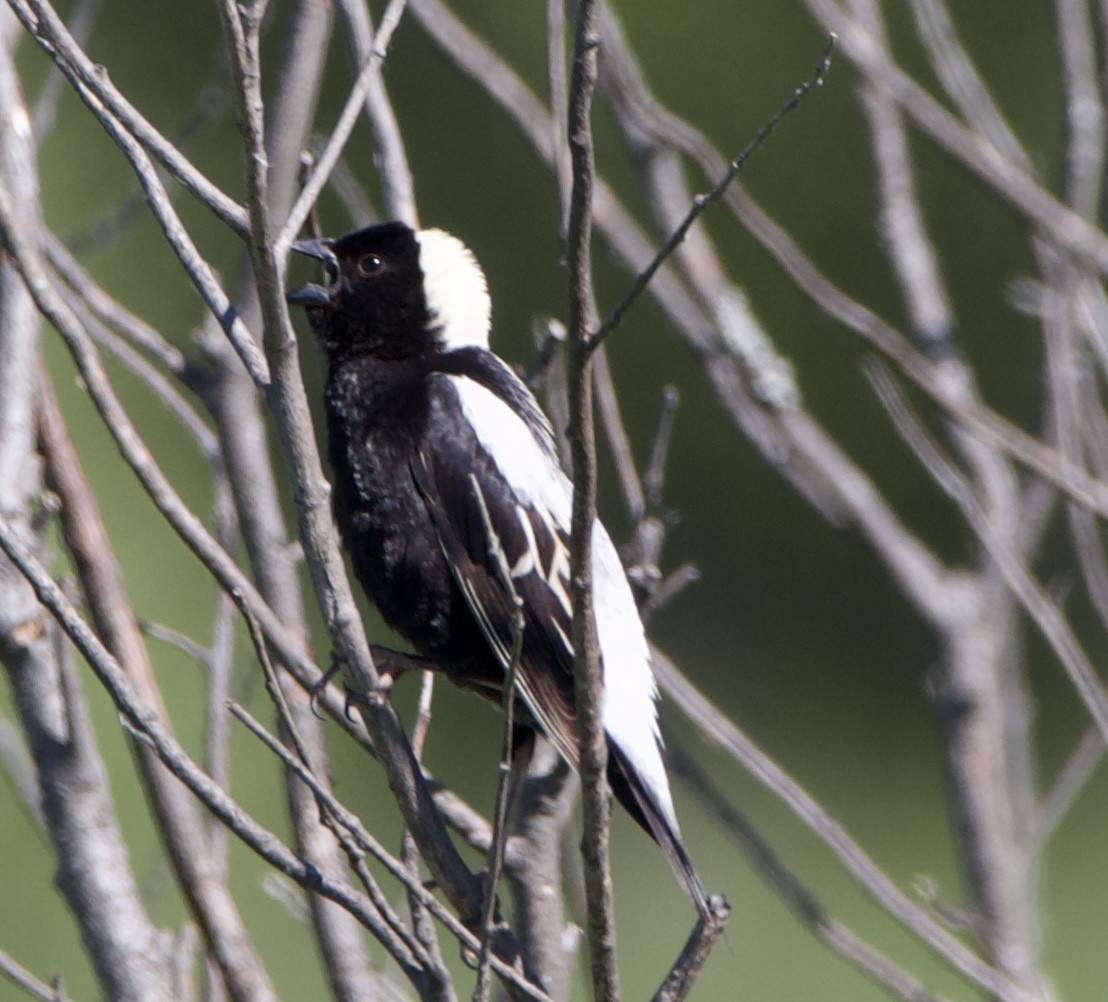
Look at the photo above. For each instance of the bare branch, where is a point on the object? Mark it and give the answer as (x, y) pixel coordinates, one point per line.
(616, 432)
(330, 154)
(396, 174)
(800, 901)
(1008, 180)
(596, 797)
(184, 836)
(385, 924)
(682, 976)
(115, 112)
(1084, 108)
(19, 976)
(198, 270)
(701, 202)
(395, 866)
(148, 725)
(726, 735)
(495, 858)
(1039, 606)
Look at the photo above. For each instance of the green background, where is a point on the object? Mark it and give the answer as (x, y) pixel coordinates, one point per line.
(794, 629)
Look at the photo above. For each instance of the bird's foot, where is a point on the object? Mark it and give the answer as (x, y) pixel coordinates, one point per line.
(390, 664)
(320, 686)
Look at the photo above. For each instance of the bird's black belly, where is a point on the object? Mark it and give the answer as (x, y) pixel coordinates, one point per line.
(395, 551)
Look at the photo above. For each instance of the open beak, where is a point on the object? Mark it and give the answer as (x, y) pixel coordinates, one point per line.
(313, 294)
(309, 295)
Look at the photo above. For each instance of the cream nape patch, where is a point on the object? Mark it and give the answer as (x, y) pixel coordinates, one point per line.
(456, 291)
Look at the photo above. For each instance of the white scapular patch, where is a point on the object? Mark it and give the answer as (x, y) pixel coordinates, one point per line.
(630, 692)
(456, 291)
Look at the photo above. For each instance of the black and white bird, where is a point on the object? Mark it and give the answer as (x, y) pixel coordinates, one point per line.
(422, 418)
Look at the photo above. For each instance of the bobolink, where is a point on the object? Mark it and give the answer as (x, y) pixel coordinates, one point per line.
(426, 426)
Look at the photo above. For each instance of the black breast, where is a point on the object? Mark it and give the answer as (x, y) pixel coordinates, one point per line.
(377, 414)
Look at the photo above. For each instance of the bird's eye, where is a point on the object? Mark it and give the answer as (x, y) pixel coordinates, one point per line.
(370, 264)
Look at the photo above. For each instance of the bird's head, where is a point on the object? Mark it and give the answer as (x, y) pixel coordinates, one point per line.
(393, 292)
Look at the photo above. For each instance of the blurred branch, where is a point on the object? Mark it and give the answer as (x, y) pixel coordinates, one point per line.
(396, 174)
(980, 688)
(148, 726)
(179, 825)
(701, 202)
(16, 761)
(367, 82)
(800, 901)
(81, 23)
(533, 865)
(19, 976)
(198, 270)
(1070, 781)
(1008, 180)
(683, 974)
(495, 859)
(132, 132)
(1043, 611)
(723, 733)
(93, 872)
(111, 312)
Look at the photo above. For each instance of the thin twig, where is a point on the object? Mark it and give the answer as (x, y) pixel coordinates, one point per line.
(389, 929)
(1072, 778)
(149, 728)
(394, 866)
(495, 860)
(701, 202)
(1037, 603)
(725, 734)
(787, 886)
(178, 238)
(110, 310)
(19, 976)
(616, 432)
(654, 477)
(106, 102)
(686, 969)
(422, 924)
(336, 142)
(391, 159)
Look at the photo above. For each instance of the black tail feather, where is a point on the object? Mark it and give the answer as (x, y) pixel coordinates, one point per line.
(631, 793)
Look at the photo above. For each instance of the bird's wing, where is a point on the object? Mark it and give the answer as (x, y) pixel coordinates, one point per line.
(462, 480)
(510, 468)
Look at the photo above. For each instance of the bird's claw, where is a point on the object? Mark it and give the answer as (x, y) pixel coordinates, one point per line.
(316, 692)
(386, 676)
(376, 696)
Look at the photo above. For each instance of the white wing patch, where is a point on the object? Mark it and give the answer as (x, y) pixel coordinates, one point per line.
(630, 691)
(456, 291)
(526, 562)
